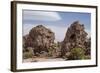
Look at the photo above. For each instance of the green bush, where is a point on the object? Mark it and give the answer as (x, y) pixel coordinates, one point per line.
(76, 54)
(27, 55)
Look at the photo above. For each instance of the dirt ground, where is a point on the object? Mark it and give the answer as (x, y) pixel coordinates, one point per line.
(42, 60)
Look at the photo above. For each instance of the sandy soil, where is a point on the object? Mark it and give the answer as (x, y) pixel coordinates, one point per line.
(43, 59)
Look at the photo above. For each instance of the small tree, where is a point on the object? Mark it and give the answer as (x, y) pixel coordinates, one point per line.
(76, 54)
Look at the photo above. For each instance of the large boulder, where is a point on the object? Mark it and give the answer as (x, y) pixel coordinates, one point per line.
(75, 38)
(40, 38)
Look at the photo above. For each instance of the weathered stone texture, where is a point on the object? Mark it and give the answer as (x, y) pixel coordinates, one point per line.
(75, 37)
(40, 38)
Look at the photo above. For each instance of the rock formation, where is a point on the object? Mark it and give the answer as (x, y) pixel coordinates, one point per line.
(39, 38)
(41, 41)
(75, 38)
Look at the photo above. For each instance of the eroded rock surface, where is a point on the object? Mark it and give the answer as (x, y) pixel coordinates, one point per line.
(40, 38)
(75, 38)
(40, 41)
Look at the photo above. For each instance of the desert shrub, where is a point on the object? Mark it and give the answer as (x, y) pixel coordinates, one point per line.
(76, 54)
(50, 50)
(54, 50)
(28, 54)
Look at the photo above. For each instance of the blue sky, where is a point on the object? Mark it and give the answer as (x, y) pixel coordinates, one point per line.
(58, 22)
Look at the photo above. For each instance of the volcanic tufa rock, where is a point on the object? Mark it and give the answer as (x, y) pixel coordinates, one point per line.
(74, 38)
(40, 38)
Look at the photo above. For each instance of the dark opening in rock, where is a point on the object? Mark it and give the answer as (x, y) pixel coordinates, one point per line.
(72, 36)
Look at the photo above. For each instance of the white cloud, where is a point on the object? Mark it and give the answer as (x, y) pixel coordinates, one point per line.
(41, 15)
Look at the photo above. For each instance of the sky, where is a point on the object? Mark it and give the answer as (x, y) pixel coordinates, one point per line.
(57, 21)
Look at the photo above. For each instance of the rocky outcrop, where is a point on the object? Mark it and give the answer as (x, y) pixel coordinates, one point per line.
(40, 41)
(40, 38)
(75, 38)
(88, 46)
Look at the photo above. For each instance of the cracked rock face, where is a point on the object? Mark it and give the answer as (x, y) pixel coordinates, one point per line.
(40, 38)
(75, 38)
